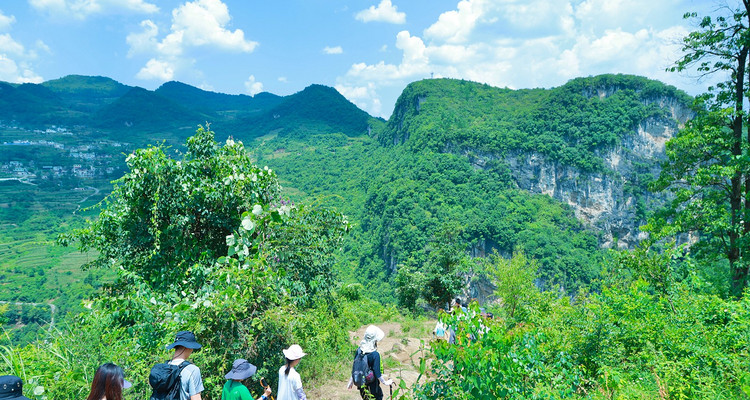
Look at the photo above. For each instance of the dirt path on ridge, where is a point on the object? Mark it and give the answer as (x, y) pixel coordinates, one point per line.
(399, 353)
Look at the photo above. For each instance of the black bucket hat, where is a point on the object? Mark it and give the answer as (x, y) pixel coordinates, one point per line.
(241, 369)
(185, 339)
(11, 387)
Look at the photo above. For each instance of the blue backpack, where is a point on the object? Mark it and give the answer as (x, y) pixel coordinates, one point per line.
(362, 374)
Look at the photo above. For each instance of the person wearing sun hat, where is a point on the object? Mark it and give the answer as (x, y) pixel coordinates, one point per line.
(191, 383)
(368, 346)
(234, 389)
(11, 388)
(290, 383)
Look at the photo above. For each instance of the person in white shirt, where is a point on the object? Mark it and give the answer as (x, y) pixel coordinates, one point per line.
(290, 383)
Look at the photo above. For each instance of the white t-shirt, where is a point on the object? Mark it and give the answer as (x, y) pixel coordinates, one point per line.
(289, 385)
(191, 382)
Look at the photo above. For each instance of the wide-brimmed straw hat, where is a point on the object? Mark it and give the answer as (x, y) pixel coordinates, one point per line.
(373, 334)
(241, 369)
(294, 352)
(11, 387)
(185, 339)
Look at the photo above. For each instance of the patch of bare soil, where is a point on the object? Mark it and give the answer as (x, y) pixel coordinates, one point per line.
(400, 354)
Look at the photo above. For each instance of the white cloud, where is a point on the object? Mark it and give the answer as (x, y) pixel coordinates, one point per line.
(6, 22)
(364, 97)
(82, 9)
(455, 26)
(203, 23)
(9, 46)
(333, 50)
(384, 12)
(196, 24)
(252, 87)
(10, 71)
(528, 43)
(282, 79)
(156, 69)
(15, 59)
(144, 41)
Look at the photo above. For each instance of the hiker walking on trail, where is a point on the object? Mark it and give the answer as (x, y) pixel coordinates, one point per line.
(234, 389)
(109, 380)
(366, 373)
(178, 378)
(290, 383)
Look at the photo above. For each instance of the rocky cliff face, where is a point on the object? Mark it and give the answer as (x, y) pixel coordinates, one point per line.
(605, 201)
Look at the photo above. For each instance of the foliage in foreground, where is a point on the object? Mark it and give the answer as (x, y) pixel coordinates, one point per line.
(634, 339)
(203, 243)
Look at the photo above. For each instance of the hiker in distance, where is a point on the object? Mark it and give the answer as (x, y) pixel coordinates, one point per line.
(11, 388)
(109, 380)
(290, 383)
(366, 373)
(234, 389)
(178, 379)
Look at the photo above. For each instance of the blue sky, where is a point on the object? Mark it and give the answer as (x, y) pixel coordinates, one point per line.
(367, 49)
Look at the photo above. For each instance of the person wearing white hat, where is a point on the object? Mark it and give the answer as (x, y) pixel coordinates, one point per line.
(368, 346)
(290, 383)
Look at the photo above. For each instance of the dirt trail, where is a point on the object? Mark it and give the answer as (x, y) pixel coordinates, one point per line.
(400, 352)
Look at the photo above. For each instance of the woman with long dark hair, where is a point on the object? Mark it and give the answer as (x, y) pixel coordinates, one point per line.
(108, 383)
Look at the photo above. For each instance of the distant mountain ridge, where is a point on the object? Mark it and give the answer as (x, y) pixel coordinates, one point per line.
(174, 110)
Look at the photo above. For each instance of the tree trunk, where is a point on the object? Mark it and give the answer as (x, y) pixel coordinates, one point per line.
(739, 272)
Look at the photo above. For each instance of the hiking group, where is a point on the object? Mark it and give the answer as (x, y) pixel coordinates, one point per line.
(179, 379)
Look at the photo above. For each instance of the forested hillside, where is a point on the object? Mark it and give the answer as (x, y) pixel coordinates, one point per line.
(460, 167)
(560, 214)
(457, 158)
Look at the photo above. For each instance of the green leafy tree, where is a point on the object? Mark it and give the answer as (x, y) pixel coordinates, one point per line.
(514, 280)
(708, 168)
(445, 263)
(166, 220)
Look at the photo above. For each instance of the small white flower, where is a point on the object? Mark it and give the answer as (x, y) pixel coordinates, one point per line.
(230, 142)
(257, 209)
(248, 224)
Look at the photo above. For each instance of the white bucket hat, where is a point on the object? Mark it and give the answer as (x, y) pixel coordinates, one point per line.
(373, 334)
(294, 352)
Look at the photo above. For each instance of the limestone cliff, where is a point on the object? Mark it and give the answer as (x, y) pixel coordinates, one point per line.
(603, 199)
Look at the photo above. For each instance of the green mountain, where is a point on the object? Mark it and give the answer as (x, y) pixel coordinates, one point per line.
(557, 172)
(129, 114)
(211, 102)
(29, 103)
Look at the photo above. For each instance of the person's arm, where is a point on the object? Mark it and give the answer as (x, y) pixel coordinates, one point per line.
(195, 385)
(265, 394)
(297, 385)
(376, 369)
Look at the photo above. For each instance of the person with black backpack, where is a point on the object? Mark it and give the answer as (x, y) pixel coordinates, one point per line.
(178, 379)
(366, 375)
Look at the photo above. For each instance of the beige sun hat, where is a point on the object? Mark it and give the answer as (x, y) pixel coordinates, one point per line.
(294, 352)
(373, 334)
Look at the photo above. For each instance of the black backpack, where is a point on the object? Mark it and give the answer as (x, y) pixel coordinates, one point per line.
(165, 380)
(362, 374)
